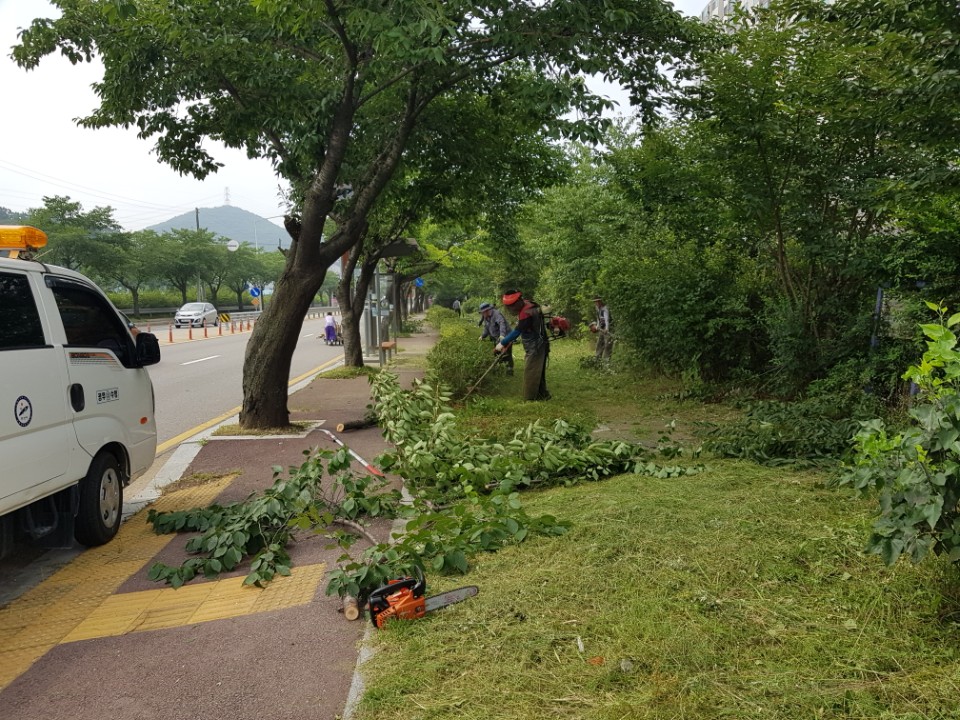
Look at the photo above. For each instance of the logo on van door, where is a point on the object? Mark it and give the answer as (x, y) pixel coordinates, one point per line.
(108, 395)
(23, 411)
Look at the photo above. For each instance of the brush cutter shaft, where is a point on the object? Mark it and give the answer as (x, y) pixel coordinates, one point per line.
(370, 468)
(487, 371)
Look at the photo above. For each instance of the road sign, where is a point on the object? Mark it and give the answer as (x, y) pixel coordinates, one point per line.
(233, 245)
(254, 292)
(418, 282)
(256, 301)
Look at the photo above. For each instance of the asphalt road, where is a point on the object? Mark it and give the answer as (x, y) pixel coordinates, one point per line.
(200, 380)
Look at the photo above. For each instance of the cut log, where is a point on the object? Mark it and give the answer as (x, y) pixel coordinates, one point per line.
(357, 424)
(351, 608)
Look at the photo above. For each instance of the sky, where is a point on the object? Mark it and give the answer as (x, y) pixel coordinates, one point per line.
(43, 152)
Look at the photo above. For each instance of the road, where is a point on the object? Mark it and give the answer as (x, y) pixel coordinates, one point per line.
(200, 380)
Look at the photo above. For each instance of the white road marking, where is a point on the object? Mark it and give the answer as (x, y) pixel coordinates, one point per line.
(191, 362)
(307, 335)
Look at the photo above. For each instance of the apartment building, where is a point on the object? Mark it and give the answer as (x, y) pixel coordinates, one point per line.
(723, 9)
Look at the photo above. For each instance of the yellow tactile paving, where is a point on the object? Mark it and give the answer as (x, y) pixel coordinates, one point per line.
(156, 610)
(77, 602)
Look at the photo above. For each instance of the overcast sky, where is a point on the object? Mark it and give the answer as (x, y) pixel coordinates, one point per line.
(45, 153)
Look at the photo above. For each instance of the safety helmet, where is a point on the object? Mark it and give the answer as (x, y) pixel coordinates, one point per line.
(511, 297)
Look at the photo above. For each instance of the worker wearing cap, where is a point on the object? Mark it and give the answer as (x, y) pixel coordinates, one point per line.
(533, 332)
(496, 327)
(603, 327)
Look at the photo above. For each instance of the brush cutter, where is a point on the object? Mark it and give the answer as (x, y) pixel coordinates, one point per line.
(496, 361)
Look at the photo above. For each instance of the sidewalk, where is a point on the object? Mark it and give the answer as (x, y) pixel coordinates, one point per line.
(107, 641)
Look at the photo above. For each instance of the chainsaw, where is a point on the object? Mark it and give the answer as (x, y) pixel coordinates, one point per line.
(403, 599)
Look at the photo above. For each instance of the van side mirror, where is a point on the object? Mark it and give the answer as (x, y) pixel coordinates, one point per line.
(148, 349)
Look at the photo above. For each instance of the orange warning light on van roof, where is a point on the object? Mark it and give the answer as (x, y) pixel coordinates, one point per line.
(21, 237)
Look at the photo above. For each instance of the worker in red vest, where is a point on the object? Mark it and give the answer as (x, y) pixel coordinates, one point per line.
(532, 330)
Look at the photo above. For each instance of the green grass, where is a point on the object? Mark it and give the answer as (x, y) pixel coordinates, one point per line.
(629, 407)
(296, 427)
(741, 592)
(346, 373)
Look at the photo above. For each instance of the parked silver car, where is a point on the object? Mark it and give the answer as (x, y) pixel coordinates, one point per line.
(196, 314)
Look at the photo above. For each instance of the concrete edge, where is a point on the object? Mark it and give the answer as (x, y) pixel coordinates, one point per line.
(367, 651)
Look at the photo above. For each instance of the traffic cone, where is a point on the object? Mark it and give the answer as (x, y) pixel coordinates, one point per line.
(170, 328)
(189, 332)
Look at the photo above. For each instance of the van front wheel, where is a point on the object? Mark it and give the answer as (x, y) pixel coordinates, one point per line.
(101, 501)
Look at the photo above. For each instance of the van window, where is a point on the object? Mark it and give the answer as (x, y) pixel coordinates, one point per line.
(19, 320)
(88, 319)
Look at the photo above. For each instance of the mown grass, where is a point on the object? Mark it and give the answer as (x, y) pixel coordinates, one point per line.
(741, 592)
(618, 404)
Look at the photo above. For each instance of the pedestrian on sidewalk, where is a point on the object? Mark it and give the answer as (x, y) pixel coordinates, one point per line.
(496, 328)
(603, 326)
(532, 330)
(331, 329)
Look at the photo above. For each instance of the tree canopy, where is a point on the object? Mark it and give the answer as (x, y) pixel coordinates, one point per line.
(332, 92)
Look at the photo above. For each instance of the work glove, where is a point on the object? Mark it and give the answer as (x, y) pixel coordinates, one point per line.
(498, 348)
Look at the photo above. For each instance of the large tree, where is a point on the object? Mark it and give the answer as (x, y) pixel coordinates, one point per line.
(332, 91)
(77, 239)
(134, 265)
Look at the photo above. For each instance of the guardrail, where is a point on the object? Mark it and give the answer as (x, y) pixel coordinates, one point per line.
(230, 324)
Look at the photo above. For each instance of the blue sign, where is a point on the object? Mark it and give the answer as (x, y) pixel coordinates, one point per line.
(418, 282)
(254, 292)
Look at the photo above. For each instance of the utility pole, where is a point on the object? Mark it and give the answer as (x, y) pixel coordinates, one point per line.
(196, 213)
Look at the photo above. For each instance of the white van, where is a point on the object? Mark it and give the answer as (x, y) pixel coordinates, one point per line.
(76, 402)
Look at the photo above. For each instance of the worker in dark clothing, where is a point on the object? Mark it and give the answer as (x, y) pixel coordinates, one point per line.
(496, 328)
(603, 326)
(532, 330)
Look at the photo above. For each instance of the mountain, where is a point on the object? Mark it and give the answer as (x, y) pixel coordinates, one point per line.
(232, 223)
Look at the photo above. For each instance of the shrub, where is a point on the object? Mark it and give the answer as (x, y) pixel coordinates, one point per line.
(458, 359)
(437, 315)
(917, 472)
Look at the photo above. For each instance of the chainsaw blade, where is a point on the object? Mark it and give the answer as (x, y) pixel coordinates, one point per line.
(450, 597)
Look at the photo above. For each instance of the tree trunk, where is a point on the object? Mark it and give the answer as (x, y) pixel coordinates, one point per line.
(352, 301)
(239, 300)
(135, 293)
(214, 291)
(266, 366)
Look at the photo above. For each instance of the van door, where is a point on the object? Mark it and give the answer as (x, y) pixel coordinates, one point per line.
(111, 399)
(35, 434)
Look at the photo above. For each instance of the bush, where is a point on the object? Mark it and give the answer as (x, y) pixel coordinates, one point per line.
(917, 472)
(437, 315)
(681, 306)
(458, 359)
